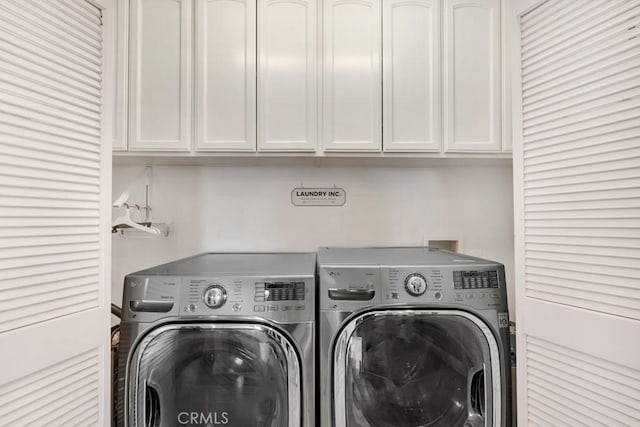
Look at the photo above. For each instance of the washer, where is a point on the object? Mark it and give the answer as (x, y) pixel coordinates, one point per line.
(219, 339)
(412, 337)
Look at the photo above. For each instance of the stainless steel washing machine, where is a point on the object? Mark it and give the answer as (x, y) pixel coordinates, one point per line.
(219, 339)
(412, 337)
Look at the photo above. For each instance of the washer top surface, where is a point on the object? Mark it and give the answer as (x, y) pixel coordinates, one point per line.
(241, 264)
(401, 256)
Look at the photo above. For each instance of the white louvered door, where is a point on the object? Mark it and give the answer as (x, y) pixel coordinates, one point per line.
(55, 172)
(577, 211)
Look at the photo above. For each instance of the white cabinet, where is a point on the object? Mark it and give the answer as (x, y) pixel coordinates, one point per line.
(287, 75)
(225, 87)
(281, 75)
(472, 75)
(411, 76)
(352, 75)
(160, 83)
(120, 46)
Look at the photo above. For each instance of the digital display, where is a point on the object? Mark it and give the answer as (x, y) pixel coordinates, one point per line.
(475, 279)
(279, 291)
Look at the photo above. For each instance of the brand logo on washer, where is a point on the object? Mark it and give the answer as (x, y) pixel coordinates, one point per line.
(209, 418)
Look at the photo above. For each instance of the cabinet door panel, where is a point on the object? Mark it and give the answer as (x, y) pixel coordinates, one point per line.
(472, 75)
(287, 101)
(160, 75)
(352, 88)
(411, 85)
(120, 71)
(226, 75)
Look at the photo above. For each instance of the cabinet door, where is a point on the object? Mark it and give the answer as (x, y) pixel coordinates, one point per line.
(55, 196)
(120, 46)
(287, 96)
(472, 78)
(411, 83)
(576, 115)
(352, 75)
(160, 75)
(226, 75)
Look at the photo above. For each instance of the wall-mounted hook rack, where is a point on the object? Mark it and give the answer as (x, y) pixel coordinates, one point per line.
(144, 225)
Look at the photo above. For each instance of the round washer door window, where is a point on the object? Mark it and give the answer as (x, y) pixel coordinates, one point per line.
(215, 375)
(413, 369)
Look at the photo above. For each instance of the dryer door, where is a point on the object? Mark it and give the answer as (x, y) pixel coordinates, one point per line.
(410, 368)
(233, 375)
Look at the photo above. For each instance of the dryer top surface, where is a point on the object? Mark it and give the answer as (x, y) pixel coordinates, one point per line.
(400, 256)
(241, 264)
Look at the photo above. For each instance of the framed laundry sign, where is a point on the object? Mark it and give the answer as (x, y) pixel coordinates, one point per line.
(318, 196)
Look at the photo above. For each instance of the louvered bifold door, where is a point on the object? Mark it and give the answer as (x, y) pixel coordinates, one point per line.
(54, 175)
(577, 211)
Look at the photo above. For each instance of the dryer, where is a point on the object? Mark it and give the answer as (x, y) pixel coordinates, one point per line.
(412, 337)
(219, 339)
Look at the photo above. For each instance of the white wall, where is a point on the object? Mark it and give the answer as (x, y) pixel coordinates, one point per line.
(249, 209)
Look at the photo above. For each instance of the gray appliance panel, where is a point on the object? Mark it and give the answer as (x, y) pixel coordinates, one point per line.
(390, 287)
(149, 298)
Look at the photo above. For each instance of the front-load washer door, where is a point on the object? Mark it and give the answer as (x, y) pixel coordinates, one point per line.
(209, 374)
(413, 368)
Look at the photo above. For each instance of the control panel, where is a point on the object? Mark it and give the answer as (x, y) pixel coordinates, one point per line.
(477, 287)
(276, 298)
(279, 291)
(475, 279)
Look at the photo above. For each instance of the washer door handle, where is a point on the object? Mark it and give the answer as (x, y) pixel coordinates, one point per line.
(352, 294)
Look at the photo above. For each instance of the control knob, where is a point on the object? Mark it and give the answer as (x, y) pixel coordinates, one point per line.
(415, 284)
(215, 296)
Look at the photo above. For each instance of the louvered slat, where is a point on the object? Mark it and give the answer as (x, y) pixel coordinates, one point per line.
(581, 108)
(49, 98)
(621, 15)
(59, 156)
(566, 386)
(83, 11)
(28, 283)
(15, 27)
(561, 14)
(70, 83)
(39, 395)
(49, 269)
(540, 15)
(587, 52)
(574, 24)
(50, 133)
(80, 35)
(67, 35)
(49, 143)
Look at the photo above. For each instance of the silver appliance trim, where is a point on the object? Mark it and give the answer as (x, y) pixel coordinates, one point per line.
(293, 359)
(339, 355)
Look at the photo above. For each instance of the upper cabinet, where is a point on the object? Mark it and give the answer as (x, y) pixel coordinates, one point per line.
(323, 77)
(352, 75)
(225, 88)
(472, 75)
(411, 75)
(287, 75)
(160, 70)
(120, 71)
